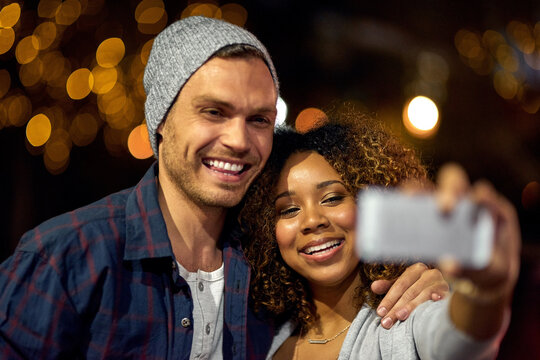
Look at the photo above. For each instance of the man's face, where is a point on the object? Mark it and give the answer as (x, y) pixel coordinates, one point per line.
(218, 134)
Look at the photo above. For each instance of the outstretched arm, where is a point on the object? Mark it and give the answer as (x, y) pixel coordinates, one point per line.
(481, 297)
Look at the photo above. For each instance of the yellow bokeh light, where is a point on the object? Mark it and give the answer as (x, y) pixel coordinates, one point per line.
(27, 49)
(83, 129)
(46, 34)
(110, 52)
(145, 51)
(421, 117)
(48, 8)
(68, 12)
(506, 56)
(493, 39)
(56, 155)
(57, 66)
(9, 15)
(19, 110)
(38, 130)
(202, 9)
(234, 13)
(468, 44)
(104, 79)
(5, 82)
(505, 84)
(112, 101)
(523, 35)
(79, 84)
(7, 38)
(149, 11)
(139, 144)
(31, 73)
(153, 28)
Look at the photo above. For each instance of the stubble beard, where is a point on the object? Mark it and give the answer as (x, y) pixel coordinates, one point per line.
(183, 175)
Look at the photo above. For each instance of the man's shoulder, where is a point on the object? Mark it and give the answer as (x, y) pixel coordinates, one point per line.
(97, 222)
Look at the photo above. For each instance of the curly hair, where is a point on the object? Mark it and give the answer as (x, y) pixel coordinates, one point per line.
(363, 153)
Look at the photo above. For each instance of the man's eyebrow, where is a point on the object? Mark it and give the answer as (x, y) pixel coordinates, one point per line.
(210, 99)
(215, 101)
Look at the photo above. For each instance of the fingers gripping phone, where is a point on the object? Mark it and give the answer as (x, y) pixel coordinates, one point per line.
(395, 227)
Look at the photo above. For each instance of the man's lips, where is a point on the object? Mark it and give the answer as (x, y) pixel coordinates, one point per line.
(226, 166)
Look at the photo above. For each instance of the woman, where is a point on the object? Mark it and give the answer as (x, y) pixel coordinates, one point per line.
(306, 273)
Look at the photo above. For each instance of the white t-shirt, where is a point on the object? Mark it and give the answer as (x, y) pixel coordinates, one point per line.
(207, 292)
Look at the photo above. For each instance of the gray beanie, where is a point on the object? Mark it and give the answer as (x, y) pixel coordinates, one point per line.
(178, 51)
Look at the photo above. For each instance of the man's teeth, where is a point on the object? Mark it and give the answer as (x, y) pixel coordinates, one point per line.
(323, 247)
(225, 165)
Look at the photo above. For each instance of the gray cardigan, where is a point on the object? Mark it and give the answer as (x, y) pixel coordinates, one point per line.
(428, 333)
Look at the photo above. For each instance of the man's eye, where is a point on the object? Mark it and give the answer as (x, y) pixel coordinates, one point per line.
(260, 120)
(213, 112)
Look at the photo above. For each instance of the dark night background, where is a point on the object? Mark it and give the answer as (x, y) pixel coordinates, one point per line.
(326, 52)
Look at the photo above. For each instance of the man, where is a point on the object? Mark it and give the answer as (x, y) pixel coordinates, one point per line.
(156, 271)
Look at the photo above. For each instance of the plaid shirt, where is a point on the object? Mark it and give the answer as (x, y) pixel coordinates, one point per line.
(100, 282)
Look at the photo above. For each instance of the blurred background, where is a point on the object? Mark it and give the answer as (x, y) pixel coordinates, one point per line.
(457, 80)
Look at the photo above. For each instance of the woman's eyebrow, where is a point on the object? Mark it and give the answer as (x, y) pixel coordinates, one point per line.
(284, 194)
(328, 183)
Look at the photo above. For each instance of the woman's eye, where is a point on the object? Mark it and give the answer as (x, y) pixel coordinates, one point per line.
(333, 199)
(288, 212)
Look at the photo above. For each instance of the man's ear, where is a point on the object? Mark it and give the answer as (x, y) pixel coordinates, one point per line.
(159, 129)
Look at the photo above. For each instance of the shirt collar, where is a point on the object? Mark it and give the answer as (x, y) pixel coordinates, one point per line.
(146, 233)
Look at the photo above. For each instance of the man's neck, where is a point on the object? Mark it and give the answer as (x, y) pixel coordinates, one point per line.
(194, 230)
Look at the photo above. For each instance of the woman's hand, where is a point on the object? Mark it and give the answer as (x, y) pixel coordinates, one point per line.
(500, 276)
(416, 285)
(481, 296)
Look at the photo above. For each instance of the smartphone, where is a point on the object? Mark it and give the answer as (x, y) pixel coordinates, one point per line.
(397, 227)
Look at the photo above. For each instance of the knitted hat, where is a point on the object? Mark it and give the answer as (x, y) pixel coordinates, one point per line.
(178, 51)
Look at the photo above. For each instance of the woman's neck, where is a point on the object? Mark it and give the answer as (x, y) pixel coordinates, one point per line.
(336, 306)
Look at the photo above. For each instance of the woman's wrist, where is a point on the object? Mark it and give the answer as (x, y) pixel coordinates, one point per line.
(473, 292)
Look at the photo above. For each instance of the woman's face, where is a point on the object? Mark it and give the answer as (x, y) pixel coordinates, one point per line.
(315, 220)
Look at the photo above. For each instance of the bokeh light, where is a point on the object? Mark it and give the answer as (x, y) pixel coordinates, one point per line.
(139, 143)
(110, 52)
(38, 130)
(5, 82)
(309, 118)
(45, 34)
(79, 84)
(151, 16)
(530, 197)
(83, 129)
(421, 117)
(68, 12)
(281, 116)
(48, 8)
(27, 49)
(104, 79)
(30, 74)
(7, 38)
(234, 13)
(19, 109)
(9, 15)
(202, 9)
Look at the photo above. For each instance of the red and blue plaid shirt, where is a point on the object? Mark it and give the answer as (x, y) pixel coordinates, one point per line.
(100, 283)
